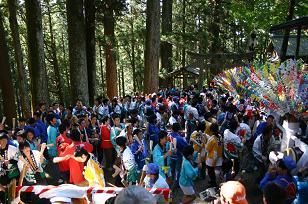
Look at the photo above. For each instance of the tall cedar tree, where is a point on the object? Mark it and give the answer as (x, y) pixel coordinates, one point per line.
(39, 83)
(6, 84)
(77, 51)
(55, 62)
(21, 76)
(90, 12)
(152, 43)
(111, 67)
(166, 47)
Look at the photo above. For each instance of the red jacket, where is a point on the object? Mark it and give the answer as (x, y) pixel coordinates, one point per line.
(75, 167)
(105, 133)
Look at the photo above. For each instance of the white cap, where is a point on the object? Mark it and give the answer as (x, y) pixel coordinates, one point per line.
(275, 156)
(60, 199)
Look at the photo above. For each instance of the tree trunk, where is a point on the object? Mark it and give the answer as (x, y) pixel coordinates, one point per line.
(152, 42)
(183, 34)
(21, 76)
(38, 75)
(166, 47)
(284, 47)
(77, 51)
(133, 60)
(215, 46)
(111, 66)
(90, 46)
(101, 66)
(123, 83)
(67, 75)
(55, 63)
(9, 108)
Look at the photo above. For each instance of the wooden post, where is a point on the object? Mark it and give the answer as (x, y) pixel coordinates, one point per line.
(298, 41)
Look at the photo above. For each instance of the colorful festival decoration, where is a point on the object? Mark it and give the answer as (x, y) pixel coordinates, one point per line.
(283, 88)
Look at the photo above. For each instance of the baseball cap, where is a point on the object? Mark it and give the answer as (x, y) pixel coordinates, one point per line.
(152, 168)
(233, 192)
(289, 162)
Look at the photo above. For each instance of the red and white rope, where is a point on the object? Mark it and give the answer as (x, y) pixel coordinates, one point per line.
(39, 189)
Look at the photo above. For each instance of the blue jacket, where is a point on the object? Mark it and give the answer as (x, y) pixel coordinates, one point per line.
(43, 130)
(259, 130)
(139, 156)
(180, 145)
(302, 191)
(188, 173)
(52, 133)
(153, 131)
(35, 129)
(158, 158)
(286, 182)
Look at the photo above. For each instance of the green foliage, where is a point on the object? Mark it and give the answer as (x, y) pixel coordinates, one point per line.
(193, 30)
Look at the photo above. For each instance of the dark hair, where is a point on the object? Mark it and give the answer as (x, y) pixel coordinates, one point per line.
(42, 104)
(80, 120)
(270, 116)
(23, 145)
(31, 121)
(201, 126)
(37, 114)
(280, 163)
(267, 130)
(115, 115)
(187, 151)
(274, 194)
(233, 125)
(79, 151)
(23, 119)
(162, 134)
(63, 127)
(214, 128)
(121, 141)
(176, 127)
(31, 130)
(136, 131)
(50, 117)
(105, 119)
(75, 135)
(152, 118)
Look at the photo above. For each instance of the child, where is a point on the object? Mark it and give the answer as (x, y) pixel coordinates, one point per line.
(128, 160)
(139, 149)
(188, 174)
(214, 150)
(161, 155)
(93, 173)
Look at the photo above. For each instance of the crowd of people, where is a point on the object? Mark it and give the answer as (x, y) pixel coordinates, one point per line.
(162, 140)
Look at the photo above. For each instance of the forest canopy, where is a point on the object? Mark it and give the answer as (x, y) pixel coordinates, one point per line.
(61, 50)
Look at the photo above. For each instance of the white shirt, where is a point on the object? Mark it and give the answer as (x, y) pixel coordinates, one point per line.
(257, 148)
(160, 183)
(128, 159)
(98, 110)
(172, 120)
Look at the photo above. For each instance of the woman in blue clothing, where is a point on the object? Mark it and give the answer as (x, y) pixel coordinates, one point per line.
(302, 187)
(189, 172)
(161, 155)
(280, 175)
(153, 129)
(30, 139)
(139, 150)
